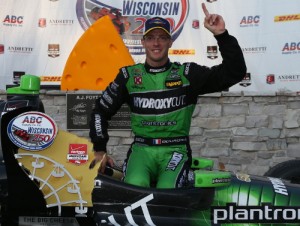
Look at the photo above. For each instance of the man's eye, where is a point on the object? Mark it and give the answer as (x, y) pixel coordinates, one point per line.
(163, 38)
(149, 38)
(158, 38)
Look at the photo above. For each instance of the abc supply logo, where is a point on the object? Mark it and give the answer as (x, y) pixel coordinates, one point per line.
(291, 48)
(129, 17)
(13, 21)
(32, 131)
(267, 214)
(250, 21)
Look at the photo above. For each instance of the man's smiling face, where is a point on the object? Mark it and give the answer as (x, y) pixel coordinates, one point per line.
(157, 43)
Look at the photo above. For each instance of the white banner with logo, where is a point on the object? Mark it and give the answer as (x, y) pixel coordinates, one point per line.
(36, 37)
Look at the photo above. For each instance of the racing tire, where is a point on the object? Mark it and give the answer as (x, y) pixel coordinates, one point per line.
(288, 170)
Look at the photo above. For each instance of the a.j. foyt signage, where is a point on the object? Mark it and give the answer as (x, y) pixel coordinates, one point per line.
(79, 109)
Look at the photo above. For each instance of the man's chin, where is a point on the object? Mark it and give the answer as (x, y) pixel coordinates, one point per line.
(157, 59)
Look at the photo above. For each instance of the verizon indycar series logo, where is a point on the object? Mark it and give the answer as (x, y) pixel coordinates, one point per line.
(77, 154)
(33, 131)
(129, 17)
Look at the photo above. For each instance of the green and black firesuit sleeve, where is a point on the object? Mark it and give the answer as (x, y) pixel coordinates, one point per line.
(220, 77)
(105, 107)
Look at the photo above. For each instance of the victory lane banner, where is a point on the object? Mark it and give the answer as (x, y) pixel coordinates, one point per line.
(79, 109)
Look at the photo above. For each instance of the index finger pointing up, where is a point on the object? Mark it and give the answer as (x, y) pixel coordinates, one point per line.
(205, 10)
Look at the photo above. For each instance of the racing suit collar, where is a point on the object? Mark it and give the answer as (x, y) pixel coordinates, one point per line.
(154, 70)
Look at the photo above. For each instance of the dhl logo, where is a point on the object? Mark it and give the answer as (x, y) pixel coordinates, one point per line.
(182, 52)
(285, 18)
(50, 78)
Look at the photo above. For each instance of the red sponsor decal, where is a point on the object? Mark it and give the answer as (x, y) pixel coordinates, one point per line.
(77, 154)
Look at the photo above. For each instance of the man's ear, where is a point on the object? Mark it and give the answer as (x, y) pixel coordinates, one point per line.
(171, 43)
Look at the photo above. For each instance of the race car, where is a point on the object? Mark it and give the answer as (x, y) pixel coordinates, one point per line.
(46, 180)
(45, 177)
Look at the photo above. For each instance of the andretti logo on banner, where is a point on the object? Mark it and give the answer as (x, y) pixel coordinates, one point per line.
(1, 49)
(129, 17)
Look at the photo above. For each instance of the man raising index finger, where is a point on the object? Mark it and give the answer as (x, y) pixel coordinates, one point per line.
(162, 96)
(213, 22)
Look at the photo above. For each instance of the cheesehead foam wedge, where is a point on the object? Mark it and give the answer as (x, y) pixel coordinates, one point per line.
(57, 174)
(96, 58)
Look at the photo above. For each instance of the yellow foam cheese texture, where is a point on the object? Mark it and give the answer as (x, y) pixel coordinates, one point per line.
(96, 58)
(62, 182)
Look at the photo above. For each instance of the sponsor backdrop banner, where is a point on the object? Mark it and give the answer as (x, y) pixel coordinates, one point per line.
(36, 37)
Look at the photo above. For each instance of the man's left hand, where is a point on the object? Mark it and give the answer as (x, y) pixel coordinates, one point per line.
(213, 22)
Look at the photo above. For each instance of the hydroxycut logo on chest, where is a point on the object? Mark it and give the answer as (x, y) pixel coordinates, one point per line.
(165, 103)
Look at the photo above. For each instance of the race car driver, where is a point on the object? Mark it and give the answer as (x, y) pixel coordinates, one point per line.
(162, 96)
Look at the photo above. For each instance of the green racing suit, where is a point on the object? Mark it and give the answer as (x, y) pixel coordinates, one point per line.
(162, 101)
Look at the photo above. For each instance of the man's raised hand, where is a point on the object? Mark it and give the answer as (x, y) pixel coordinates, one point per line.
(213, 22)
